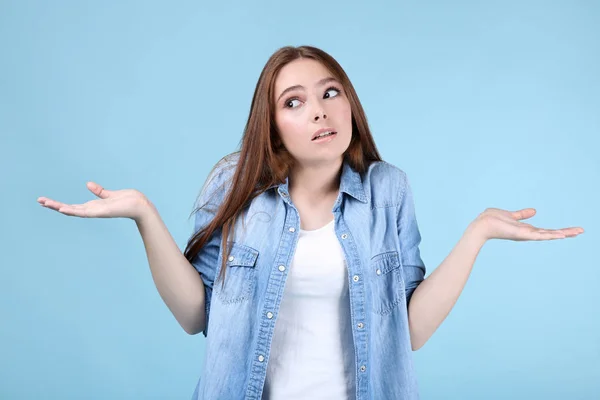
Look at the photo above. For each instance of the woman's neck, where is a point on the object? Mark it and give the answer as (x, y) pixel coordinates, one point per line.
(315, 182)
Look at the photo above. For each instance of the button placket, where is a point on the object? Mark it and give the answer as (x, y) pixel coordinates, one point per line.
(275, 281)
(356, 279)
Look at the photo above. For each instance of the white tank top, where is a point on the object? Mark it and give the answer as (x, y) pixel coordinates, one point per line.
(312, 352)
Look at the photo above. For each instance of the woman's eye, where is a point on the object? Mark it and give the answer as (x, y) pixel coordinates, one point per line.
(332, 92)
(292, 103)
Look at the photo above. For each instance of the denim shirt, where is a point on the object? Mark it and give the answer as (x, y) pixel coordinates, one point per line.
(376, 226)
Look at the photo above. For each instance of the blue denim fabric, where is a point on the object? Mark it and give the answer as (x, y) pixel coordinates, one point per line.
(376, 226)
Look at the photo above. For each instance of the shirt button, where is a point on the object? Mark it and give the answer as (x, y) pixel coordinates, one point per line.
(261, 358)
(230, 258)
(355, 278)
(284, 194)
(292, 229)
(378, 271)
(362, 368)
(269, 315)
(360, 325)
(344, 235)
(282, 268)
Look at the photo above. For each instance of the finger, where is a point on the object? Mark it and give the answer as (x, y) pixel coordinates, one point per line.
(568, 232)
(577, 229)
(524, 213)
(55, 205)
(79, 210)
(546, 235)
(550, 231)
(44, 200)
(98, 190)
(572, 231)
(533, 233)
(73, 210)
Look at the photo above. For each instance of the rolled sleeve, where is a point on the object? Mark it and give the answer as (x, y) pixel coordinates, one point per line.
(409, 236)
(211, 197)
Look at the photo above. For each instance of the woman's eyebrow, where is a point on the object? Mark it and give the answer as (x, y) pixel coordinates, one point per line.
(322, 82)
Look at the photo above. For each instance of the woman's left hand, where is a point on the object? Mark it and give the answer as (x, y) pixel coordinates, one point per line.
(495, 223)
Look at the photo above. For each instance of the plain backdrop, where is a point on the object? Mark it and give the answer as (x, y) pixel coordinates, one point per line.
(482, 104)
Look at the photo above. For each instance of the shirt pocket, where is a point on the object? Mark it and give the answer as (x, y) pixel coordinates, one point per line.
(240, 275)
(388, 284)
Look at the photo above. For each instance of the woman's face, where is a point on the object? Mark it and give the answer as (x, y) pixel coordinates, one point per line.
(309, 101)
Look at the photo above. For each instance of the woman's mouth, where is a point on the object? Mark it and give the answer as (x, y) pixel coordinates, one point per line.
(324, 136)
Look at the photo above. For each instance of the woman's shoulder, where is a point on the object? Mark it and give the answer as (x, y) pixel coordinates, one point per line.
(384, 170)
(226, 164)
(220, 177)
(386, 183)
(224, 168)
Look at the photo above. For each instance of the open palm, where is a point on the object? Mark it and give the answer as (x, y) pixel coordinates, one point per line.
(495, 223)
(125, 203)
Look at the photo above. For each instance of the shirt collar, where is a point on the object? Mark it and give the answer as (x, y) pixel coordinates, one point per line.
(350, 183)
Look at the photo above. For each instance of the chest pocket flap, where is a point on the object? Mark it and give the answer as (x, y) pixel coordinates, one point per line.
(387, 282)
(385, 262)
(242, 256)
(240, 274)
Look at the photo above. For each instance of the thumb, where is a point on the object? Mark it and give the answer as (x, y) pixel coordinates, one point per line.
(524, 213)
(98, 190)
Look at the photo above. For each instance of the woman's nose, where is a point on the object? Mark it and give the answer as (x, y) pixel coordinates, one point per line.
(320, 114)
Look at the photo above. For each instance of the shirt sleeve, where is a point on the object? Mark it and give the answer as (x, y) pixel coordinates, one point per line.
(408, 231)
(211, 197)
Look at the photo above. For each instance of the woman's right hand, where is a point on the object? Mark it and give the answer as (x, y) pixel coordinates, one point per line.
(126, 203)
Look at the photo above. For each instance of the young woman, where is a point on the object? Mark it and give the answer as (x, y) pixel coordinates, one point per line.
(305, 252)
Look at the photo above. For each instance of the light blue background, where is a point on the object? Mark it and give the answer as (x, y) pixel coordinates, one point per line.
(483, 104)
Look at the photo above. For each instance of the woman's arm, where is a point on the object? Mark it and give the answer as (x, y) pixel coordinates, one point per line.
(433, 299)
(177, 281)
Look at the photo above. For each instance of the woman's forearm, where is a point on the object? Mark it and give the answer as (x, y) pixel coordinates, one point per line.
(178, 283)
(433, 299)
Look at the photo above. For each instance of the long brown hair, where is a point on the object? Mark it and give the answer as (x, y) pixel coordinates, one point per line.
(263, 159)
